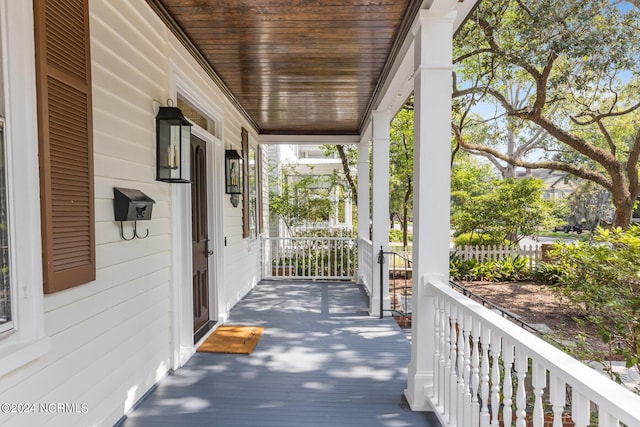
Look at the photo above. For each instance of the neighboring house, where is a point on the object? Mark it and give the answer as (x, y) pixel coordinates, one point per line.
(288, 164)
(557, 184)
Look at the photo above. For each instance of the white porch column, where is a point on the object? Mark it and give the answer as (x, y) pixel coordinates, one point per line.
(363, 201)
(380, 215)
(348, 213)
(432, 151)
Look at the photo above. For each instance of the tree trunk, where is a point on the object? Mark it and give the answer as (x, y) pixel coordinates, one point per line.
(347, 173)
(405, 217)
(624, 209)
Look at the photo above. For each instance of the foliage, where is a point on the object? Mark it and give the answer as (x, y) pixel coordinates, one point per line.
(469, 179)
(602, 280)
(510, 209)
(401, 168)
(396, 235)
(576, 67)
(547, 273)
(348, 155)
(300, 197)
(322, 257)
(506, 270)
(589, 205)
(475, 239)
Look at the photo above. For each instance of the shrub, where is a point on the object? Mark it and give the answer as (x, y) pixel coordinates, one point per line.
(547, 273)
(506, 270)
(601, 280)
(475, 239)
(395, 235)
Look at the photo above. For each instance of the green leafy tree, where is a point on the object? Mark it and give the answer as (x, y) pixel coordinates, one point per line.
(401, 169)
(510, 209)
(296, 197)
(348, 155)
(579, 63)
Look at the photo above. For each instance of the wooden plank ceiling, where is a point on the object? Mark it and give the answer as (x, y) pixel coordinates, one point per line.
(296, 66)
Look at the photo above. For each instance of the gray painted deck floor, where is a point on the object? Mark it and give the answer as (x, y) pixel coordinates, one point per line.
(321, 361)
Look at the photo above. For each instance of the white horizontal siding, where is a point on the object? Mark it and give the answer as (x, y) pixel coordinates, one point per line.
(111, 339)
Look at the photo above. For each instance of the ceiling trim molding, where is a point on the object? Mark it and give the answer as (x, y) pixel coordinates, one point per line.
(309, 139)
(175, 28)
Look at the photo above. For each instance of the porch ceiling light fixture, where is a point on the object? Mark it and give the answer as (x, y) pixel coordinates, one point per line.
(233, 175)
(173, 135)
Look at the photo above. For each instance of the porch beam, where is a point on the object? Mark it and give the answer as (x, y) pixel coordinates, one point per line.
(308, 139)
(432, 135)
(380, 207)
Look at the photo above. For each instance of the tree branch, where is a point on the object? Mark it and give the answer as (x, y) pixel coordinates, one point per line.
(470, 54)
(599, 116)
(347, 173)
(607, 137)
(487, 29)
(589, 175)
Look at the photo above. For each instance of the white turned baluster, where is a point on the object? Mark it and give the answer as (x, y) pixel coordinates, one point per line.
(453, 356)
(446, 401)
(557, 397)
(495, 380)
(484, 376)
(539, 382)
(521, 397)
(507, 385)
(442, 362)
(579, 408)
(475, 375)
(466, 399)
(460, 368)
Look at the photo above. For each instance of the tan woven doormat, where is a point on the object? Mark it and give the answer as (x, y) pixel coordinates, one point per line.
(235, 339)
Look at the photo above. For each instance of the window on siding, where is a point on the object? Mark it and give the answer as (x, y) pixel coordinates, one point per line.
(194, 115)
(63, 76)
(253, 195)
(6, 293)
(251, 203)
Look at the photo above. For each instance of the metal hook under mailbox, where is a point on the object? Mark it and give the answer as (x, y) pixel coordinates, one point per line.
(135, 232)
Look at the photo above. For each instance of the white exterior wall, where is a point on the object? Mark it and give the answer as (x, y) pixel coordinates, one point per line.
(112, 339)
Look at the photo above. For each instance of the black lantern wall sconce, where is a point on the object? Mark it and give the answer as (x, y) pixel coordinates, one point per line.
(173, 135)
(233, 175)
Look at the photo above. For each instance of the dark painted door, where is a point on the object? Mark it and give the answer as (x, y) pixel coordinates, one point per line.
(200, 233)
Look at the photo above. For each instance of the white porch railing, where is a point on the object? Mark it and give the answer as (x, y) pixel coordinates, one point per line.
(365, 264)
(487, 369)
(333, 258)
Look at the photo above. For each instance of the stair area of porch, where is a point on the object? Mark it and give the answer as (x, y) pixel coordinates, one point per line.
(321, 361)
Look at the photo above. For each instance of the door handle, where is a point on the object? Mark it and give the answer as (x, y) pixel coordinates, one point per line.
(206, 248)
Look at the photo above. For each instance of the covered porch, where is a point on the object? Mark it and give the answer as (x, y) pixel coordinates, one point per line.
(321, 361)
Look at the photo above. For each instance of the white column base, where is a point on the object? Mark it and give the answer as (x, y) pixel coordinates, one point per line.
(419, 387)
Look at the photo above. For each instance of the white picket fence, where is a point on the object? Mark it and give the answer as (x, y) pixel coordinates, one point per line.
(482, 253)
(498, 252)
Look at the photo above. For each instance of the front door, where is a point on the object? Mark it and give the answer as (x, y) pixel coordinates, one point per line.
(200, 235)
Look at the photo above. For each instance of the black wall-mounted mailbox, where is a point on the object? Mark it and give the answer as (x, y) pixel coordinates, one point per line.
(131, 205)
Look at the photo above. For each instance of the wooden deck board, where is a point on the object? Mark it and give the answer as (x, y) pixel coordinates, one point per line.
(321, 361)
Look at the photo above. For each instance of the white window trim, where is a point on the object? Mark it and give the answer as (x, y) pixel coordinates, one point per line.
(254, 241)
(27, 340)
